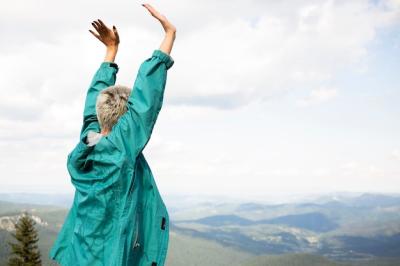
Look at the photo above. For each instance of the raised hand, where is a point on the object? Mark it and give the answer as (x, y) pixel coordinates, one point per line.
(108, 36)
(170, 30)
(168, 27)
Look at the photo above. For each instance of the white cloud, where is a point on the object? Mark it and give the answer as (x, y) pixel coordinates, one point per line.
(361, 170)
(349, 166)
(238, 61)
(396, 154)
(225, 62)
(318, 96)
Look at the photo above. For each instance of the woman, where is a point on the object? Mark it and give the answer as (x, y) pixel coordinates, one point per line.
(118, 216)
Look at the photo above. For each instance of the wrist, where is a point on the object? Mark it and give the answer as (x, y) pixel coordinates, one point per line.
(170, 33)
(112, 48)
(111, 53)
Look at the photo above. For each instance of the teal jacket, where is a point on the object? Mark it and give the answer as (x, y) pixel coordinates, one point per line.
(118, 216)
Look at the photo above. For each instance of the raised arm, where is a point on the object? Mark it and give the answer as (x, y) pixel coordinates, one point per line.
(104, 77)
(134, 128)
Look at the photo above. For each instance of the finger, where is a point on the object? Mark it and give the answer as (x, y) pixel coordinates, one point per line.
(148, 6)
(150, 9)
(96, 26)
(155, 13)
(100, 28)
(95, 35)
(116, 32)
(154, 10)
(104, 29)
(102, 24)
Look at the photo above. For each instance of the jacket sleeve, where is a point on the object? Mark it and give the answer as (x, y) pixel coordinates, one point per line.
(134, 128)
(104, 77)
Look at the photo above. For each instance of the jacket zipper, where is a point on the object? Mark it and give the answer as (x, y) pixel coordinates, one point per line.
(135, 242)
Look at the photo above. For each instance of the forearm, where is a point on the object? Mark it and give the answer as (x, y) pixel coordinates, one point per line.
(111, 53)
(168, 42)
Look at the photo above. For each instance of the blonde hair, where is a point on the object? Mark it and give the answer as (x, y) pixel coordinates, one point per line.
(111, 104)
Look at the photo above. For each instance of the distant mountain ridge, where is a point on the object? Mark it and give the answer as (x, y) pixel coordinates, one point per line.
(362, 230)
(313, 221)
(64, 200)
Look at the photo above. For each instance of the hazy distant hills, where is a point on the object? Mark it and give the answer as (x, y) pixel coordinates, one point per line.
(339, 230)
(33, 198)
(313, 221)
(292, 260)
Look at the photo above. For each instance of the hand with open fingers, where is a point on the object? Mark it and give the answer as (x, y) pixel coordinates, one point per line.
(108, 36)
(168, 27)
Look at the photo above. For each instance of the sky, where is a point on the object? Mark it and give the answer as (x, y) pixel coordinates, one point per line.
(265, 98)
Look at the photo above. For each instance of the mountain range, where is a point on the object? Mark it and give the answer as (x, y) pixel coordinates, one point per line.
(339, 230)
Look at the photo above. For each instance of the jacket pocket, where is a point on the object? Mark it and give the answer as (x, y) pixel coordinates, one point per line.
(162, 226)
